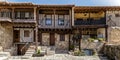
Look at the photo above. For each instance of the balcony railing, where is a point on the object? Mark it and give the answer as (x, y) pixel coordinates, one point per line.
(24, 21)
(101, 21)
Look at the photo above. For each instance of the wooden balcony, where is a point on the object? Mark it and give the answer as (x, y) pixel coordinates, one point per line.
(55, 24)
(101, 21)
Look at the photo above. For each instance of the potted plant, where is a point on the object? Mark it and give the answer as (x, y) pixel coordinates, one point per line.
(91, 39)
(38, 53)
(101, 39)
(77, 53)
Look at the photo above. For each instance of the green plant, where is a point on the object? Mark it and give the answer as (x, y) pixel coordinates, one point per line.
(94, 52)
(101, 39)
(77, 53)
(82, 53)
(91, 39)
(38, 51)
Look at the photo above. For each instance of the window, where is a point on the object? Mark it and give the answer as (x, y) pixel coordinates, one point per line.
(24, 15)
(18, 14)
(62, 37)
(48, 20)
(26, 33)
(61, 20)
(5, 13)
(27, 14)
(117, 15)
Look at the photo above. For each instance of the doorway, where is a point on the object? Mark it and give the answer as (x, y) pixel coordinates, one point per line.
(16, 35)
(52, 39)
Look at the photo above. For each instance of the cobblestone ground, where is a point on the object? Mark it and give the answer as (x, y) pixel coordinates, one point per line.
(68, 57)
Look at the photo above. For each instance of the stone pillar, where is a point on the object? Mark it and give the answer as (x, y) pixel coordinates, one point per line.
(72, 16)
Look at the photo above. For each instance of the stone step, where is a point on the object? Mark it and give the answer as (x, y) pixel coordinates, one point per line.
(30, 51)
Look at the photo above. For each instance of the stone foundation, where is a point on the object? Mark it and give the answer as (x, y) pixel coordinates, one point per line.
(112, 51)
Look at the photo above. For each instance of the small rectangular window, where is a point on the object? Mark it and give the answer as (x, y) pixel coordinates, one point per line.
(27, 14)
(62, 37)
(22, 15)
(18, 14)
(117, 15)
(61, 20)
(26, 33)
(48, 20)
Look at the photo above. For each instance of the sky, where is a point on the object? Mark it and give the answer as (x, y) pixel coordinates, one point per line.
(76, 2)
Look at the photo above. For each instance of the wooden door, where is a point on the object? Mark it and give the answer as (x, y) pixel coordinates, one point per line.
(16, 35)
(40, 38)
(52, 39)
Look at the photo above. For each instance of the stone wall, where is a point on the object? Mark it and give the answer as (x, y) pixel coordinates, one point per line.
(6, 35)
(113, 22)
(112, 51)
(62, 44)
(45, 38)
(114, 35)
(58, 44)
(112, 19)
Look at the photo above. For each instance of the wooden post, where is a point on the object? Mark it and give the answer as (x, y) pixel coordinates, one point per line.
(13, 13)
(36, 28)
(80, 40)
(54, 16)
(106, 34)
(69, 41)
(35, 13)
(72, 16)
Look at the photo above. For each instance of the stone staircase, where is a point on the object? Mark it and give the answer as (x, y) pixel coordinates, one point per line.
(27, 56)
(30, 51)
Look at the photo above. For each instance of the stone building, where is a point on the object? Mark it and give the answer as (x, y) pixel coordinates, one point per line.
(55, 25)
